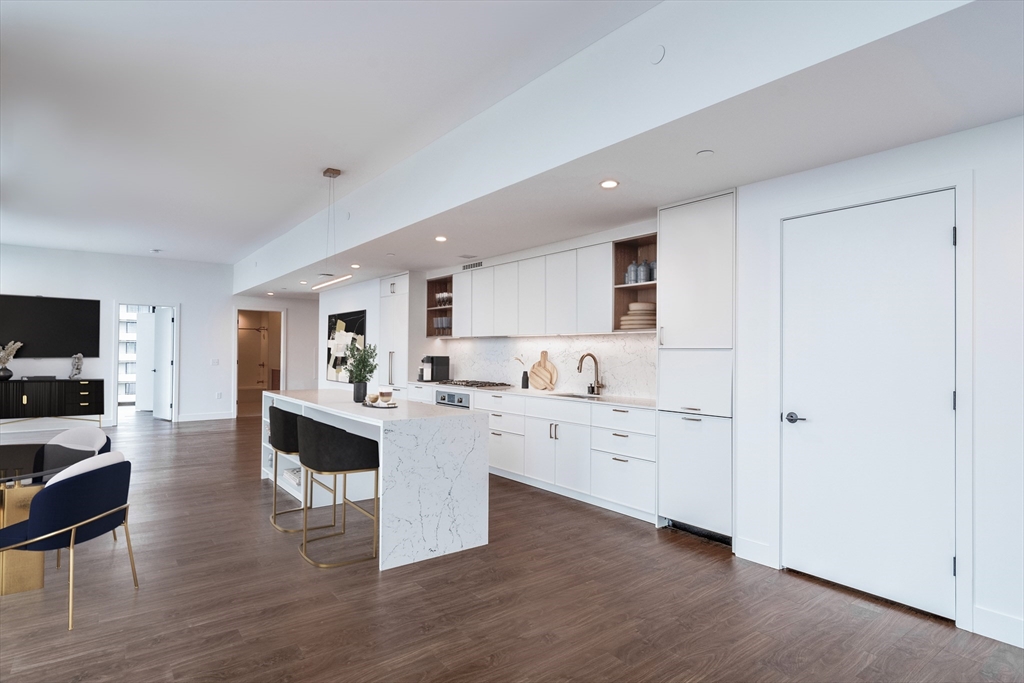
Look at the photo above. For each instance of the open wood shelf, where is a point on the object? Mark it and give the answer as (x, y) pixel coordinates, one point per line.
(636, 249)
(435, 287)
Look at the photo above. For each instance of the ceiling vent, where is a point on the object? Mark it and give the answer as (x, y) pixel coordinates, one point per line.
(471, 266)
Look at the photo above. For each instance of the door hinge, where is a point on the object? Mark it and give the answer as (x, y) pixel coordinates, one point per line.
(172, 362)
(954, 565)
(172, 405)
(954, 235)
(954, 400)
(954, 242)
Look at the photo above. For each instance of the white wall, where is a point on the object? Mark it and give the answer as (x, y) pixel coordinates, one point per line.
(357, 297)
(714, 51)
(206, 321)
(995, 154)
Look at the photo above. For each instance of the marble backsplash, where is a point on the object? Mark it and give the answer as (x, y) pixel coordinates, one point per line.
(628, 361)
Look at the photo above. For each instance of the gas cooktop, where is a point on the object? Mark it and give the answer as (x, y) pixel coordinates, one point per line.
(473, 383)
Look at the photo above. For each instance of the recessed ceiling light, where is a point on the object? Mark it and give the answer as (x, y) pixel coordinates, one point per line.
(355, 265)
(303, 282)
(609, 184)
(440, 238)
(155, 251)
(270, 294)
(331, 282)
(704, 153)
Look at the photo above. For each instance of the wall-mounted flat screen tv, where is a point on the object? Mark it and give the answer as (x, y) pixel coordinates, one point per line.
(50, 327)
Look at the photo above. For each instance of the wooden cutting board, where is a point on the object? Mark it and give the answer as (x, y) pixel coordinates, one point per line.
(543, 373)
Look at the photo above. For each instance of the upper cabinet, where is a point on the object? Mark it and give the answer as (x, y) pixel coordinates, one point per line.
(696, 274)
(397, 284)
(560, 293)
(594, 279)
(532, 305)
(506, 299)
(462, 304)
(483, 302)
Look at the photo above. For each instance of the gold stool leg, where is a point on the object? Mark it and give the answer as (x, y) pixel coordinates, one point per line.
(71, 581)
(375, 516)
(274, 512)
(131, 555)
(58, 558)
(114, 531)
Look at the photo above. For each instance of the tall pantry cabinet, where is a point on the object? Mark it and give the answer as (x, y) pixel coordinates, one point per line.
(696, 246)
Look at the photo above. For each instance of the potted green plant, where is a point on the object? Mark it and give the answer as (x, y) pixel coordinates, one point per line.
(362, 363)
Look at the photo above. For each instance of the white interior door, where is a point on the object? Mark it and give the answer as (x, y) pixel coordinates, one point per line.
(868, 368)
(163, 359)
(145, 334)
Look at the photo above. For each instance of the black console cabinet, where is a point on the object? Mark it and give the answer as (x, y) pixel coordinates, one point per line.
(51, 398)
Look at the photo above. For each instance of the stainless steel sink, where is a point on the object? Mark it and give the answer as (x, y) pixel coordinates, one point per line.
(589, 397)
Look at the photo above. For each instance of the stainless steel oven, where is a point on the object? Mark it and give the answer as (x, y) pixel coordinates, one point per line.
(453, 399)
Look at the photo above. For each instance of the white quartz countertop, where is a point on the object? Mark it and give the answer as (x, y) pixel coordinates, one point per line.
(339, 402)
(628, 401)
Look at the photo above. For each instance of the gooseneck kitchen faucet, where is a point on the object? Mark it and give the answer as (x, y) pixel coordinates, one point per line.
(596, 386)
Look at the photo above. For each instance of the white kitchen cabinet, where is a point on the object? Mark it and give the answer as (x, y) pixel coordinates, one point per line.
(396, 284)
(624, 419)
(483, 302)
(506, 451)
(506, 422)
(506, 299)
(421, 393)
(393, 346)
(532, 293)
(560, 293)
(695, 471)
(572, 456)
(594, 289)
(500, 402)
(539, 457)
(620, 442)
(695, 274)
(695, 381)
(623, 480)
(462, 304)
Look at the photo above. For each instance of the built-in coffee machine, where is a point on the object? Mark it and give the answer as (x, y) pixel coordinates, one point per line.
(434, 369)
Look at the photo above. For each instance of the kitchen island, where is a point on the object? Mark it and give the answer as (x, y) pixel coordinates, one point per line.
(433, 470)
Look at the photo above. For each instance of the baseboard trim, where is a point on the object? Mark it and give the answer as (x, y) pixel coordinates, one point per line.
(999, 626)
(576, 495)
(755, 551)
(200, 417)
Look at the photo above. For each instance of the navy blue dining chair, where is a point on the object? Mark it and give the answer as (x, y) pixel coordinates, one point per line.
(73, 509)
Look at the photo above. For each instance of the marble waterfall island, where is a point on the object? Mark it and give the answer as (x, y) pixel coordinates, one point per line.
(433, 470)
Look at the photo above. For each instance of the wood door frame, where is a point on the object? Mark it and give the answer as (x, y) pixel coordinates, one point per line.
(234, 352)
(962, 184)
(175, 355)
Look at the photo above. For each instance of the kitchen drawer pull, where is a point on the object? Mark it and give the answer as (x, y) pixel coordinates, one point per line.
(696, 410)
(693, 419)
(619, 410)
(624, 436)
(495, 396)
(495, 414)
(495, 434)
(620, 460)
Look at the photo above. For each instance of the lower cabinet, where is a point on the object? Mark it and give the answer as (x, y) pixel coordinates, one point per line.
(695, 470)
(506, 451)
(623, 480)
(421, 393)
(556, 452)
(539, 461)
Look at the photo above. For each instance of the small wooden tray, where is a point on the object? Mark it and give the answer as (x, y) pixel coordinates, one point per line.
(380, 407)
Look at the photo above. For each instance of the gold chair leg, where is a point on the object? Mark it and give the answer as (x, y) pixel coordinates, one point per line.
(114, 531)
(274, 512)
(58, 558)
(131, 555)
(71, 581)
(345, 503)
(344, 497)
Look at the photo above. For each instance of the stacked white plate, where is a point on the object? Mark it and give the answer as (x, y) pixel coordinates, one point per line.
(641, 316)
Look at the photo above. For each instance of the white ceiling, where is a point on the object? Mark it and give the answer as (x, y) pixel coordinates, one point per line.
(202, 128)
(957, 71)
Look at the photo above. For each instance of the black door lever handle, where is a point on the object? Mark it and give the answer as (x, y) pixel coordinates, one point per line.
(793, 418)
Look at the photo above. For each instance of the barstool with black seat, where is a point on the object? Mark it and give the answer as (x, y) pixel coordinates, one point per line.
(284, 438)
(330, 451)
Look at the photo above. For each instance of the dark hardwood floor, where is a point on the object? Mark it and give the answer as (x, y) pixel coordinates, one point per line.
(564, 592)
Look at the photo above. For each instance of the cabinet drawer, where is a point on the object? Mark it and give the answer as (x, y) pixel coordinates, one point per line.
(695, 471)
(504, 422)
(691, 381)
(558, 411)
(423, 393)
(623, 480)
(506, 451)
(640, 446)
(499, 403)
(623, 419)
